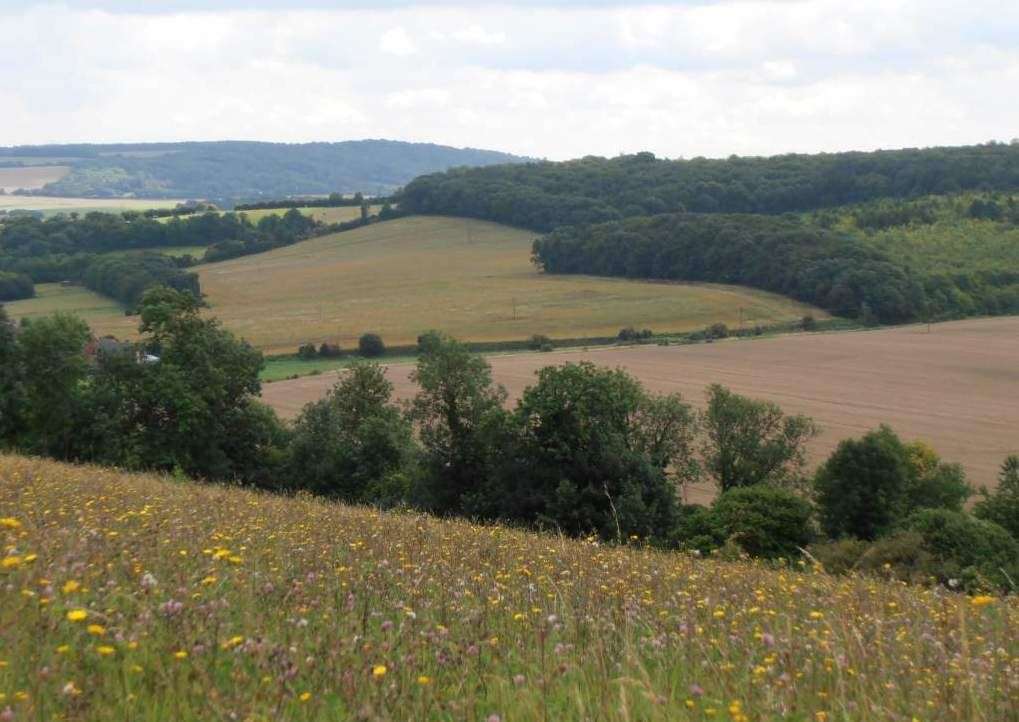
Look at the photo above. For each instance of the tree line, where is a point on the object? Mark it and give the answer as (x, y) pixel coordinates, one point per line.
(89, 249)
(828, 269)
(585, 451)
(543, 196)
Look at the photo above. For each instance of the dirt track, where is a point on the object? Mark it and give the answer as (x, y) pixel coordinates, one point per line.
(956, 387)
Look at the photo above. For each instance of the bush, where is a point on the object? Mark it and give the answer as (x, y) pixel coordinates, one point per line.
(808, 323)
(980, 554)
(370, 345)
(330, 350)
(764, 520)
(717, 330)
(540, 342)
(307, 352)
(630, 334)
(697, 529)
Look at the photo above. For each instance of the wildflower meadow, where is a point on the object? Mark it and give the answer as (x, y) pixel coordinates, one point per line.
(138, 597)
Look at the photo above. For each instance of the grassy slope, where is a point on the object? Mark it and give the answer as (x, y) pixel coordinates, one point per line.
(105, 315)
(265, 607)
(402, 277)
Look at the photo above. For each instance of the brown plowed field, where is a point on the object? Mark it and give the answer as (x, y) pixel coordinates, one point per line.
(956, 387)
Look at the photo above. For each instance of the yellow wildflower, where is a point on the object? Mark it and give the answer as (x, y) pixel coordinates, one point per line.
(180, 654)
(105, 650)
(982, 600)
(9, 522)
(77, 615)
(70, 587)
(424, 679)
(305, 696)
(96, 629)
(379, 670)
(11, 562)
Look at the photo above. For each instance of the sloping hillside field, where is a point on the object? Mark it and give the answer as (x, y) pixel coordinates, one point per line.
(470, 278)
(132, 597)
(956, 387)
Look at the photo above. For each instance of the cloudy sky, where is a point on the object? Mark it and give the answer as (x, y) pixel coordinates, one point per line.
(548, 79)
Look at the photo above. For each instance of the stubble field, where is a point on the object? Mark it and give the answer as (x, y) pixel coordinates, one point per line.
(956, 387)
(469, 278)
(29, 177)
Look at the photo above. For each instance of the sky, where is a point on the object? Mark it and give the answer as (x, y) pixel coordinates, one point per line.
(545, 79)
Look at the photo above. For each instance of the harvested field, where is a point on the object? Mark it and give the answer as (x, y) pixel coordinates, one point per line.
(470, 278)
(103, 314)
(50, 205)
(956, 387)
(29, 177)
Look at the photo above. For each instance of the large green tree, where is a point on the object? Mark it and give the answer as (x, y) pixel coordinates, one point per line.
(751, 442)
(861, 488)
(354, 444)
(11, 381)
(51, 351)
(193, 409)
(592, 454)
(461, 423)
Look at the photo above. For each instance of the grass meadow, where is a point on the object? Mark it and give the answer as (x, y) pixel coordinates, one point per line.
(143, 598)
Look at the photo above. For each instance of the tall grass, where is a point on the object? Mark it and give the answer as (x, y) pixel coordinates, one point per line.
(135, 597)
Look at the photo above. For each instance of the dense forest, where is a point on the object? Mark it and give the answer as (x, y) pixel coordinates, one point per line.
(544, 196)
(229, 171)
(839, 271)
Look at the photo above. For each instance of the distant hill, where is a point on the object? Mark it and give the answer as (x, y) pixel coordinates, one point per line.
(229, 171)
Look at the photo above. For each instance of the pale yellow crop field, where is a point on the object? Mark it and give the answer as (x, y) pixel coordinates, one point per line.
(469, 278)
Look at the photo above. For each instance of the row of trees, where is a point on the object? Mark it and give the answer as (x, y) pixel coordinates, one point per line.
(59, 237)
(545, 196)
(586, 450)
(837, 271)
(127, 277)
(830, 270)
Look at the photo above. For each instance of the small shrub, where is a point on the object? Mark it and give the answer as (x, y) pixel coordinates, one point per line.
(764, 520)
(540, 342)
(808, 323)
(717, 330)
(330, 350)
(630, 334)
(697, 530)
(979, 553)
(840, 556)
(1002, 507)
(307, 352)
(370, 345)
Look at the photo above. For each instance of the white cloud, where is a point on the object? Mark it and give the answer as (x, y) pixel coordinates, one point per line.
(743, 76)
(397, 41)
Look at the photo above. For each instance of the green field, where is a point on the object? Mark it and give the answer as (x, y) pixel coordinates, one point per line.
(472, 279)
